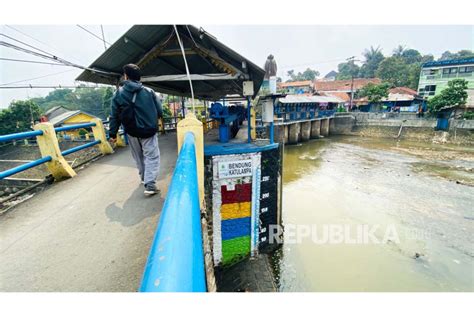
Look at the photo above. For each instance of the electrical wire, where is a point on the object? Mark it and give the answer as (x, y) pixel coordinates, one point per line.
(48, 87)
(103, 36)
(29, 79)
(35, 39)
(56, 59)
(94, 35)
(29, 61)
(185, 64)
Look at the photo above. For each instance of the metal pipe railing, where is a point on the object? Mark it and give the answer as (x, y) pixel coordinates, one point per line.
(75, 126)
(20, 136)
(48, 158)
(24, 167)
(176, 260)
(80, 147)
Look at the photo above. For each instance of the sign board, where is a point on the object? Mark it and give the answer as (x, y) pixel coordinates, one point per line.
(235, 169)
(247, 88)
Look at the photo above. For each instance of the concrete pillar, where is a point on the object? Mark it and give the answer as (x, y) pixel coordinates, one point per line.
(315, 129)
(325, 127)
(332, 126)
(305, 130)
(293, 133)
(285, 135)
(99, 134)
(49, 146)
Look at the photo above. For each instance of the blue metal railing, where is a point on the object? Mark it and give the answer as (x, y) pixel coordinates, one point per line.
(75, 126)
(24, 167)
(80, 147)
(176, 259)
(29, 134)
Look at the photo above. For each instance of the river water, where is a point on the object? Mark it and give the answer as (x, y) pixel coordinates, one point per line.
(418, 196)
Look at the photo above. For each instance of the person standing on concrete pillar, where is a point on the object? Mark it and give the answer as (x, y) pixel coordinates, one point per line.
(138, 109)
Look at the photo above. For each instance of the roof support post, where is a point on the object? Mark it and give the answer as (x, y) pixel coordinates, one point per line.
(49, 145)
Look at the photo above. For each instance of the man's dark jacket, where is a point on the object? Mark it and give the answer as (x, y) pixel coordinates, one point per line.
(147, 107)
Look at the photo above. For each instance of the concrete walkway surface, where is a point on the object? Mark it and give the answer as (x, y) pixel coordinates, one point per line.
(89, 233)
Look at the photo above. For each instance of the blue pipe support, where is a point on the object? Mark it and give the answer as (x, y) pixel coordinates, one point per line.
(80, 147)
(249, 128)
(20, 136)
(75, 126)
(24, 167)
(176, 259)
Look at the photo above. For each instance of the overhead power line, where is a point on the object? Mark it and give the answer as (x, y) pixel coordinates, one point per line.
(48, 87)
(54, 58)
(34, 39)
(103, 36)
(35, 78)
(94, 35)
(29, 61)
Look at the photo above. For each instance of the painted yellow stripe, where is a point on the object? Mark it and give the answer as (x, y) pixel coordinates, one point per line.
(236, 210)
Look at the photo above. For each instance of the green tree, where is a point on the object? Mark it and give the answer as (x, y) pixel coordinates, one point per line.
(393, 70)
(398, 51)
(374, 93)
(347, 70)
(453, 96)
(464, 54)
(447, 55)
(107, 100)
(373, 57)
(308, 74)
(427, 58)
(411, 56)
(20, 116)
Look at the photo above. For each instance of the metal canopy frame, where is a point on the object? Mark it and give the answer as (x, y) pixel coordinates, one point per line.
(216, 70)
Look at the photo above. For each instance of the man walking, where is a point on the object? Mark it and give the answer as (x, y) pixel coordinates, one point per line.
(137, 108)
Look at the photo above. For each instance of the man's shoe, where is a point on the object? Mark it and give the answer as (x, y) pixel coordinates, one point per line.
(150, 189)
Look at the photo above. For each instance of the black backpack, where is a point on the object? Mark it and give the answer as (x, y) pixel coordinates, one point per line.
(129, 121)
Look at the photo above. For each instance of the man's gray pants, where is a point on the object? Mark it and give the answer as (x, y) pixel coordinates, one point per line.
(146, 154)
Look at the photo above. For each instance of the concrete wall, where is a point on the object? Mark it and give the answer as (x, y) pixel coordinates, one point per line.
(341, 124)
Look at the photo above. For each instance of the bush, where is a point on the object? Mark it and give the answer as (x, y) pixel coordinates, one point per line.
(468, 115)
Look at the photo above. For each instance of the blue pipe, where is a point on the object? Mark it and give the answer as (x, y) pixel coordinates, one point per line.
(24, 167)
(75, 126)
(19, 136)
(80, 147)
(249, 134)
(176, 259)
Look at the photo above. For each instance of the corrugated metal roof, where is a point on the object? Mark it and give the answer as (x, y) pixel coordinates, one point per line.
(156, 50)
(66, 115)
(63, 117)
(309, 99)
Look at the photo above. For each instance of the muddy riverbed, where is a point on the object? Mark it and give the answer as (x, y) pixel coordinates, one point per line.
(422, 191)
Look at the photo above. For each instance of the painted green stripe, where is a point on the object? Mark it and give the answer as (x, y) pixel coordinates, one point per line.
(235, 249)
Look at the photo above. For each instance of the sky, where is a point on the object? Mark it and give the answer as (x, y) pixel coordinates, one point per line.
(320, 47)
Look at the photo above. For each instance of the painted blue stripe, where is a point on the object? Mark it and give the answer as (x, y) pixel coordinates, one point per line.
(234, 228)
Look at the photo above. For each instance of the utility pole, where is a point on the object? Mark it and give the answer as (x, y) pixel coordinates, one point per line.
(351, 60)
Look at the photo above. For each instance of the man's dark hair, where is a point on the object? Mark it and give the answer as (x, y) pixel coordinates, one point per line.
(132, 71)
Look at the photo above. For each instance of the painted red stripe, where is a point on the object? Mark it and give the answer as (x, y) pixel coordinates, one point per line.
(242, 193)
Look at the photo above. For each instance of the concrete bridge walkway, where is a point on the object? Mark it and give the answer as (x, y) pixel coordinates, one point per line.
(89, 233)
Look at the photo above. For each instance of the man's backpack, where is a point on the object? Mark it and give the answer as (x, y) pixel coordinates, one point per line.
(129, 120)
